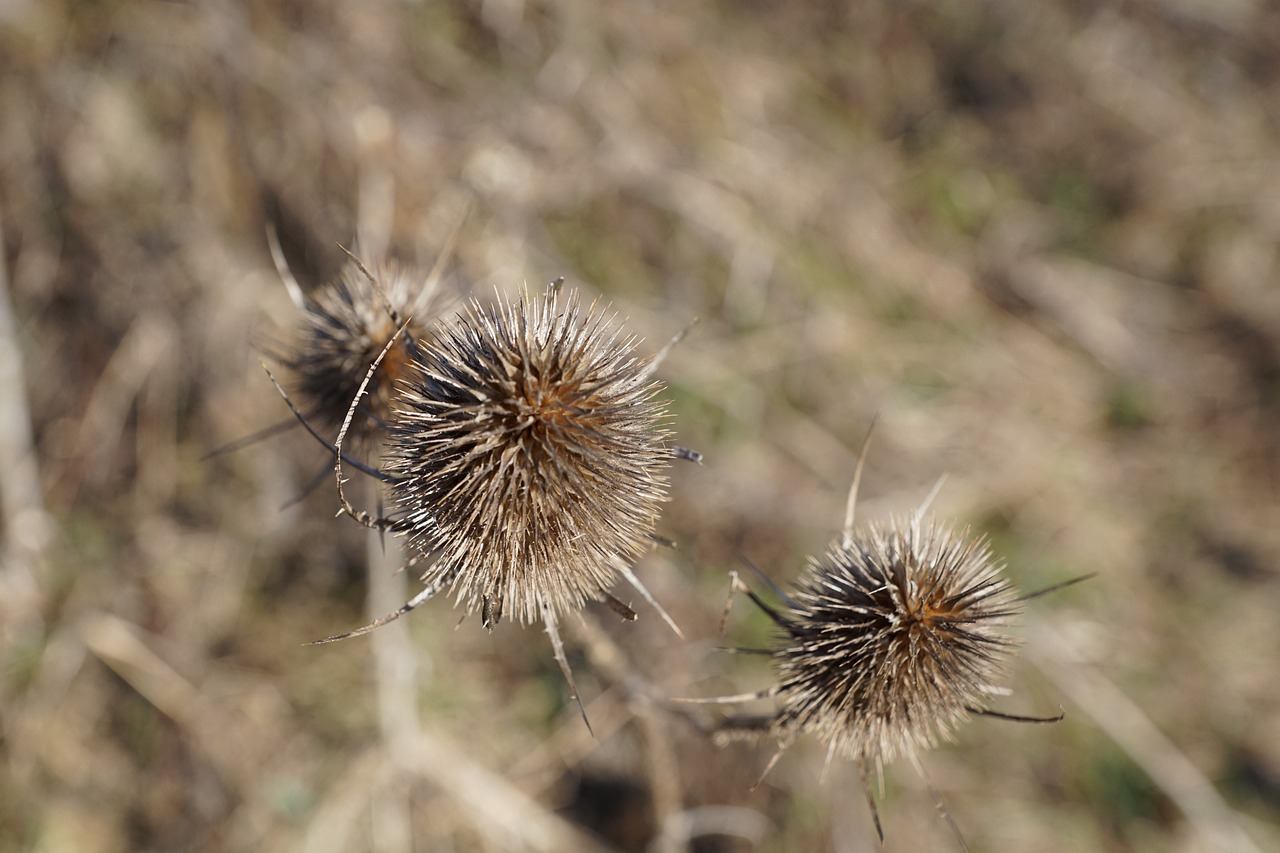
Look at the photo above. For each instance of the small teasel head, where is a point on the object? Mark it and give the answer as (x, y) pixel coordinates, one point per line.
(529, 456)
(891, 638)
(343, 327)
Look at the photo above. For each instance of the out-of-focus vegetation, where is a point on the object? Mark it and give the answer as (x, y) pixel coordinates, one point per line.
(1038, 239)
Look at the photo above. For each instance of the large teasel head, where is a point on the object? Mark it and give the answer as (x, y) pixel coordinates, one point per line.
(529, 455)
(526, 457)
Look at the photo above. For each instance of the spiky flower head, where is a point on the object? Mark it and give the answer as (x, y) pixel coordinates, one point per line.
(893, 636)
(528, 455)
(344, 326)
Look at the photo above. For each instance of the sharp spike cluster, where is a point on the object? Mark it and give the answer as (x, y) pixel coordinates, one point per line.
(525, 447)
(887, 642)
(523, 443)
(343, 327)
(892, 638)
(530, 454)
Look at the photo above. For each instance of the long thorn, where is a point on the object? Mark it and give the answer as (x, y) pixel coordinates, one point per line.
(359, 265)
(768, 767)
(661, 356)
(557, 647)
(767, 581)
(252, 438)
(644, 591)
(725, 700)
(446, 252)
(939, 804)
(865, 777)
(928, 499)
(1016, 718)
(302, 419)
(377, 287)
(311, 486)
(420, 598)
(1057, 586)
(282, 269)
(852, 503)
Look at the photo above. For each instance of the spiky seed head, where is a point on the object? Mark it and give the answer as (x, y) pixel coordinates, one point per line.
(528, 455)
(344, 326)
(892, 636)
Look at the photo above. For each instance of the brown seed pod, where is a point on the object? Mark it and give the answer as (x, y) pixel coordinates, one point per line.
(526, 456)
(891, 638)
(529, 456)
(343, 328)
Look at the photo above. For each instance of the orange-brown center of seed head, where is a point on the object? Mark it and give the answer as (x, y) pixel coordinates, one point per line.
(550, 407)
(936, 608)
(394, 367)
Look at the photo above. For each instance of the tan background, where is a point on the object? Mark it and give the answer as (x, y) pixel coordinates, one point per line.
(1038, 239)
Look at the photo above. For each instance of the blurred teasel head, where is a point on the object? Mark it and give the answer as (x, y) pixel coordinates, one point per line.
(343, 328)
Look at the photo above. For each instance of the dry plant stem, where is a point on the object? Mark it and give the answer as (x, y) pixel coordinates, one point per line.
(664, 782)
(504, 815)
(396, 671)
(131, 654)
(570, 744)
(1135, 733)
(661, 761)
(21, 495)
(335, 820)
(937, 803)
(147, 342)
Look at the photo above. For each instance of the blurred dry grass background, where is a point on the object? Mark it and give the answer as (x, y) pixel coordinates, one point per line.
(1039, 239)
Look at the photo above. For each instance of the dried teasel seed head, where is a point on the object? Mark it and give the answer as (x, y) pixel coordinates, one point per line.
(528, 455)
(892, 637)
(344, 326)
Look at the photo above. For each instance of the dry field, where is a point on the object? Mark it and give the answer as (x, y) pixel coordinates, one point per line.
(1037, 240)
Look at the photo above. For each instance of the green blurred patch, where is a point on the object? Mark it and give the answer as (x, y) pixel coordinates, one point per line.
(1029, 571)
(817, 267)
(954, 198)
(140, 727)
(1121, 794)
(290, 797)
(1128, 406)
(924, 384)
(1083, 213)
